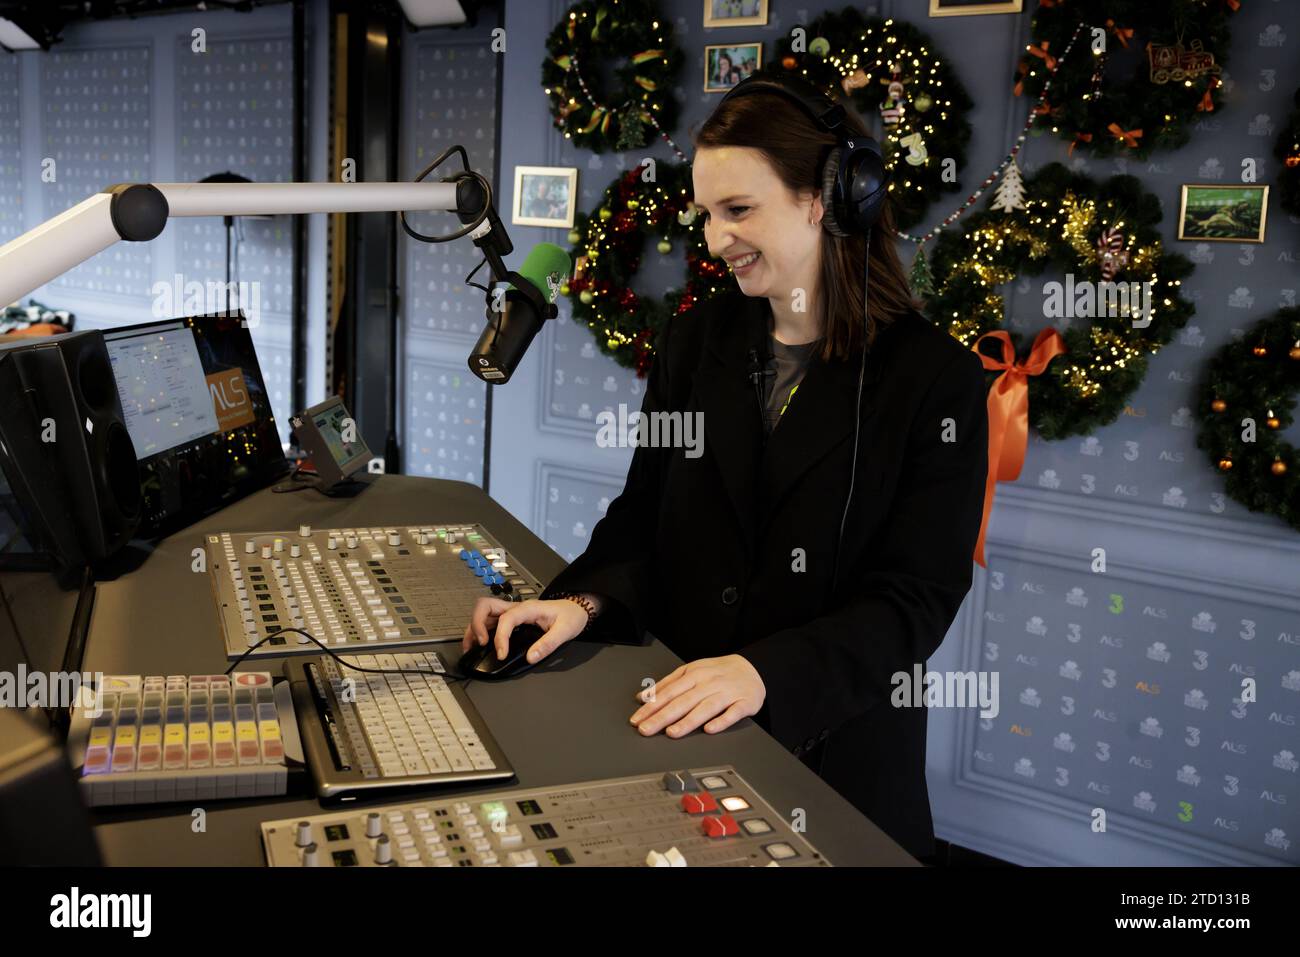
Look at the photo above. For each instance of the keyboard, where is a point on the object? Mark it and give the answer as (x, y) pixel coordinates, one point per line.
(379, 731)
(154, 738)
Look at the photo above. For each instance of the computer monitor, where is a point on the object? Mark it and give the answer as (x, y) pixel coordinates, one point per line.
(198, 412)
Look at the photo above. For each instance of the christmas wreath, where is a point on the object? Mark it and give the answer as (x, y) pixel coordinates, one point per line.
(1168, 59)
(891, 68)
(1245, 399)
(599, 31)
(1103, 236)
(1287, 150)
(647, 200)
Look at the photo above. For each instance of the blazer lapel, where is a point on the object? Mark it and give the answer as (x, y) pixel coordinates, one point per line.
(819, 418)
(733, 432)
(758, 477)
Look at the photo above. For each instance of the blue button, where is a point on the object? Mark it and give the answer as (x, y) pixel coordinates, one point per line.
(464, 555)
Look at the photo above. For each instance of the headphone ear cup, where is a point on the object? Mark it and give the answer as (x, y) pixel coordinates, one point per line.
(866, 183)
(830, 176)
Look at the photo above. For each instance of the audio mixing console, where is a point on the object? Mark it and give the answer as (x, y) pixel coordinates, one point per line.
(698, 818)
(356, 589)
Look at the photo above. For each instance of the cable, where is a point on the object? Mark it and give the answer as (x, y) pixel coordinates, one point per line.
(446, 676)
(857, 414)
(496, 319)
(313, 481)
(467, 173)
(13, 622)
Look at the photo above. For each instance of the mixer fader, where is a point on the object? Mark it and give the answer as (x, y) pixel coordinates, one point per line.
(380, 587)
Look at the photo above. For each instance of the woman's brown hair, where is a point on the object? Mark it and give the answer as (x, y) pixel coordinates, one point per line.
(796, 147)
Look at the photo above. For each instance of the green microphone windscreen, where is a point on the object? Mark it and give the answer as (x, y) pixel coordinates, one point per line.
(546, 267)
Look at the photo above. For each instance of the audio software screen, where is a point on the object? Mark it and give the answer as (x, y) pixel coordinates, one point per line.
(198, 413)
(163, 388)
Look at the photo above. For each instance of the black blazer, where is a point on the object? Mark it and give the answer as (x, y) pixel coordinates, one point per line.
(702, 552)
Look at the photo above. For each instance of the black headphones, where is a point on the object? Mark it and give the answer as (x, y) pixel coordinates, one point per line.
(854, 180)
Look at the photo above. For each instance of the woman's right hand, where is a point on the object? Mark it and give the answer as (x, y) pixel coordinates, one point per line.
(561, 619)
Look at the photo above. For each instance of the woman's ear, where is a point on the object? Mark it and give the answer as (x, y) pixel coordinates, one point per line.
(816, 211)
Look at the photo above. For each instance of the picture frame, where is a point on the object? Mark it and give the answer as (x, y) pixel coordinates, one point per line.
(1215, 213)
(545, 196)
(741, 59)
(973, 8)
(735, 13)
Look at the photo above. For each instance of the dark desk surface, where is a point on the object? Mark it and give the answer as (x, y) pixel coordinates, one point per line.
(567, 721)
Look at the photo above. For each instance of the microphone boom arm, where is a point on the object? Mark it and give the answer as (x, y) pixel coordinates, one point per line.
(137, 212)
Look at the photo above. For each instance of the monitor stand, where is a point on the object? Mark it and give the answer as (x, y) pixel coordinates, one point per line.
(350, 486)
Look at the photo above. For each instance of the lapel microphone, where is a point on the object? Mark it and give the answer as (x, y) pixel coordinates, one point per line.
(757, 373)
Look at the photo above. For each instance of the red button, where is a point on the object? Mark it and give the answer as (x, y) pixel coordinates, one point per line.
(698, 803)
(722, 826)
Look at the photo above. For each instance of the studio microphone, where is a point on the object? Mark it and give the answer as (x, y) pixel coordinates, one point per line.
(515, 314)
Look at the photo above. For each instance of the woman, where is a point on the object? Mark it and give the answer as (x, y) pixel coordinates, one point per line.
(725, 75)
(730, 556)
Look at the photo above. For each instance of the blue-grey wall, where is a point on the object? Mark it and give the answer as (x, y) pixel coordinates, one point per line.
(132, 101)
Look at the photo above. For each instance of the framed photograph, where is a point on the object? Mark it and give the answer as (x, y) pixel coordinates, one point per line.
(727, 65)
(1225, 214)
(545, 196)
(735, 13)
(973, 8)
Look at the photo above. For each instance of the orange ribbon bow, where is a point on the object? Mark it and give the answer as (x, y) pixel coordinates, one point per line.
(1234, 4)
(1021, 70)
(1130, 137)
(1079, 138)
(1040, 51)
(1008, 411)
(1207, 102)
(1123, 34)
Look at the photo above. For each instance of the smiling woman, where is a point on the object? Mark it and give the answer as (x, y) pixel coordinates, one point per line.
(811, 598)
(756, 174)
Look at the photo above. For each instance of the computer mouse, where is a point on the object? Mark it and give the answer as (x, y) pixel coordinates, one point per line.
(482, 664)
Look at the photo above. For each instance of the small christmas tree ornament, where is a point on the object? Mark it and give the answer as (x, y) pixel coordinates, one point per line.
(1010, 194)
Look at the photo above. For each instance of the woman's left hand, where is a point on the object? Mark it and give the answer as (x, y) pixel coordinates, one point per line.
(720, 691)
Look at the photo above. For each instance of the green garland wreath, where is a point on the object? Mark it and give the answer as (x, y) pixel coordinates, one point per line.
(1087, 229)
(934, 104)
(1256, 377)
(1181, 47)
(607, 250)
(1287, 151)
(597, 31)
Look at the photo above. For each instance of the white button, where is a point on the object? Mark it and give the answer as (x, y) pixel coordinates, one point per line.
(304, 531)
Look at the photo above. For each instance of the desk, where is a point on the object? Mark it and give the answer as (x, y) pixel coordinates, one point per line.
(564, 722)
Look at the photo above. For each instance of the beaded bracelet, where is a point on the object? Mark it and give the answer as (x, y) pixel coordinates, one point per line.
(581, 600)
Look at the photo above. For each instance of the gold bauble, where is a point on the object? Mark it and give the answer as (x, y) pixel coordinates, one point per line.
(1278, 467)
(1225, 465)
(1260, 351)
(1218, 405)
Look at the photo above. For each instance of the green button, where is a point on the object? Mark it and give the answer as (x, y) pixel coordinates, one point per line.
(494, 812)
